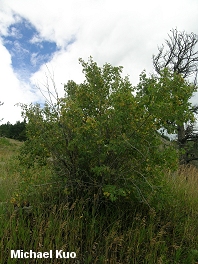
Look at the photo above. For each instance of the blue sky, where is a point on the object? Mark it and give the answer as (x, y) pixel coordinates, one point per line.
(43, 40)
(28, 50)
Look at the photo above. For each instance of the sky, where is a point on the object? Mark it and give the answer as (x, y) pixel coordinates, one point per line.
(43, 40)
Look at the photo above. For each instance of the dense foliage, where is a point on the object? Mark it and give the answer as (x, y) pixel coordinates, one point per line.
(15, 131)
(103, 138)
(166, 98)
(179, 55)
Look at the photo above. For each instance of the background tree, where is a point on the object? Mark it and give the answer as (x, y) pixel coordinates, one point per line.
(15, 131)
(179, 56)
(166, 98)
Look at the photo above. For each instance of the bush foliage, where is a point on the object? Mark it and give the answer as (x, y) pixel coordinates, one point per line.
(102, 138)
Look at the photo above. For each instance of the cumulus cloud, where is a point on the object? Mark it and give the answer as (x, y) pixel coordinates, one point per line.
(35, 39)
(12, 90)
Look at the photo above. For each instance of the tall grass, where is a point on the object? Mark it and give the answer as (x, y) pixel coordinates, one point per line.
(35, 215)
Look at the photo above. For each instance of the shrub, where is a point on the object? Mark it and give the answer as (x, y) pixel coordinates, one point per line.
(101, 139)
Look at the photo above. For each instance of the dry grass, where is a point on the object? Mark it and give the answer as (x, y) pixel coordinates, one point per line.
(186, 180)
(8, 147)
(189, 173)
(124, 233)
(9, 173)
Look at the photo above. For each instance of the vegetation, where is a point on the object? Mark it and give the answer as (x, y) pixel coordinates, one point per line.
(125, 232)
(105, 139)
(14, 131)
(180, 57)
(96, 177)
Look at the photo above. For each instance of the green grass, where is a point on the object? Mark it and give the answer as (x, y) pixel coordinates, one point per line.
(121, 232)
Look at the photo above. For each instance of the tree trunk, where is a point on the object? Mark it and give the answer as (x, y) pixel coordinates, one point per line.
(182, 144)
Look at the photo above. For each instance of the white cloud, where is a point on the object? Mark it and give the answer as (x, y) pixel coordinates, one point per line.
(33, 58)
(123, 33)
(14, 32)
(12, 90)
(36, 39)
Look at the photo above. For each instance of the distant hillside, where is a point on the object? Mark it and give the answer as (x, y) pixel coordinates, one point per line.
(8, 147)
(16, 131)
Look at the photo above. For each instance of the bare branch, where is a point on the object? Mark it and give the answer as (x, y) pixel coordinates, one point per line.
(180, 56)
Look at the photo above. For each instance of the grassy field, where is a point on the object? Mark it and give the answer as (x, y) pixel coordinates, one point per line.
(35, 215)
